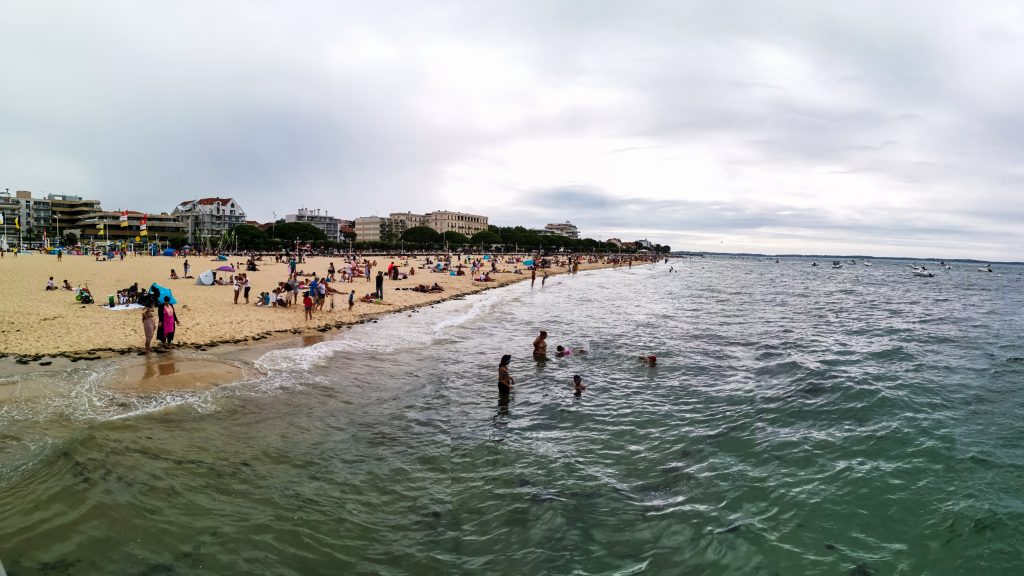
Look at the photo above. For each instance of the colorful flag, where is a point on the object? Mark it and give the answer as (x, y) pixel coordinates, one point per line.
(99, 228)
(17, 223)
(142, 227)
(124, 218)
(1, 218)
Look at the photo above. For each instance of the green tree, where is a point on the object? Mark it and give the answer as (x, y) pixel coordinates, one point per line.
(456, 238)
(249, 237)
(487, 237)
(421, 235)
(69, 239)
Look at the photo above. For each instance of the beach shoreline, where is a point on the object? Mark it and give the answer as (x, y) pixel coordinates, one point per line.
(58, 353)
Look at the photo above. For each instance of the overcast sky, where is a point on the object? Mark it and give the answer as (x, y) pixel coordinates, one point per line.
(887, 128)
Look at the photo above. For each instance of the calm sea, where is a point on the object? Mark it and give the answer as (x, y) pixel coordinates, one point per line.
(799, 421)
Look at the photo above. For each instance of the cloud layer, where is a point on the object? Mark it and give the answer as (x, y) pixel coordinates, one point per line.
(788, 126)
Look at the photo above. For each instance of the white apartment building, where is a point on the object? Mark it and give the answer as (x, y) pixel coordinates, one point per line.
(567, 229)
(446, 221)
(329, 224)
(209, 218)
(379, 228)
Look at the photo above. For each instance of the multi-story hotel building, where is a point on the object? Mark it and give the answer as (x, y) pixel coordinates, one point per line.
(329, 224)
(209, 218)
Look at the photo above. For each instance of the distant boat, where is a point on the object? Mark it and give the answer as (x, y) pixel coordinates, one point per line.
(985, 268)
(866, 263)
(853, 261)
(836, 265)
(814, 263)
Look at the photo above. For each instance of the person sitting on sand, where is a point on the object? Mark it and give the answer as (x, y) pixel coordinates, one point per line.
(174, 275)
(436, 288)
(50, 285)
(67, 286)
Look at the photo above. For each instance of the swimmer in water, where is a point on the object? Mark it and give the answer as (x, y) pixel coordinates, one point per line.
(649, 360)
(577, 383)
(540, 346)
(561, 351)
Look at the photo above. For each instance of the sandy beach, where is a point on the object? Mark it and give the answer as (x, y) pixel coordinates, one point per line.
(36, 322)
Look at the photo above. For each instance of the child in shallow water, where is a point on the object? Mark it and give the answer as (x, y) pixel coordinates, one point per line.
(578, 387)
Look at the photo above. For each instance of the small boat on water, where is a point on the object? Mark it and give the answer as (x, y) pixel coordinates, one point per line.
(866, 263)
(985, 268)
(836, 265)
(814, 263)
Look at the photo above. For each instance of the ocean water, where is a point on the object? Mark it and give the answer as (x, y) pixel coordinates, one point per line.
(799, 421)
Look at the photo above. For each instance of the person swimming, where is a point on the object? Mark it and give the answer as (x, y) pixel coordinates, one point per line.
(649, 360)
(561, 351)
(578, 387)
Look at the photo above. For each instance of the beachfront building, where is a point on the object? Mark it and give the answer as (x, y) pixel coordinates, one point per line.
(207, 219)
(379, 229)
(645, 244)
(616, 241)
(568, 229)
(446, 221)
(329, 224)
(68, 212)
(160, 227)
(411, 220)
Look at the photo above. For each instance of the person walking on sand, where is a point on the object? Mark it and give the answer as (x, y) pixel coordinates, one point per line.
(168, 319)
(351, 299)
(246, 287)
(367, 271)
(505, 380)
(236, 284)
(380, 284)
(60, 253)
(149, 324)
(540, 346)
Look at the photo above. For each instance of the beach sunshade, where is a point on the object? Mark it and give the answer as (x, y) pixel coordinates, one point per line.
(487, 256)
(161, 292)
(226, 268)
(205, 279)
(169, 251)
(222, 258)
(527, 262)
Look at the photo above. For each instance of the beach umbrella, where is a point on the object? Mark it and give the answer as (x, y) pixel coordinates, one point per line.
(169, 252)
(527, 262)
(161, 292)
(205, 279)
(226, 268)
(222, 258)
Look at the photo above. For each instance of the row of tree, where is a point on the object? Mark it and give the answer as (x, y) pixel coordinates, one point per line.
(284, 235)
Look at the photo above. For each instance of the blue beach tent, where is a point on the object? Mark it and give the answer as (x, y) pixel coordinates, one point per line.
(169, 251)
(222, 258)
(162, 292)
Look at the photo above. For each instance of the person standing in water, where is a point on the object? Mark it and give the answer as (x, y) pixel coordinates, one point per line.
(540, 346)
(533, 275)
(577, 383)
(149, 324)
(505, 380)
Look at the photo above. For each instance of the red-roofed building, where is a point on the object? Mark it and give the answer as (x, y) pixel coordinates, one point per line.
(209, 218)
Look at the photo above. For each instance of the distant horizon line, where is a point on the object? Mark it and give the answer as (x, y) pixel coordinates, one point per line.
(841, 256)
